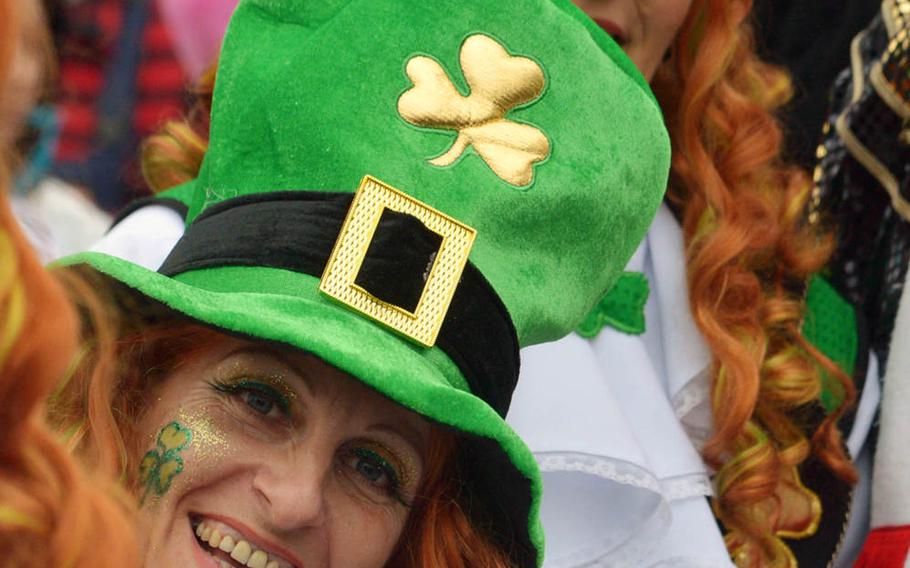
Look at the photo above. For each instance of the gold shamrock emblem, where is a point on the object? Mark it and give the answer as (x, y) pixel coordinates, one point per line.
(499, 82)
(160, 466)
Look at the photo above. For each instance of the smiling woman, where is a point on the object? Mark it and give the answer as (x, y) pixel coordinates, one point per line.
(328, 463)
(318, 377)
(321, 450)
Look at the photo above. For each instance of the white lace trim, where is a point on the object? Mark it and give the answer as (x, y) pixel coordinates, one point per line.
(625, 473)
(690, 562)
(693, 410)
(686, 486)
(693, 394)
(606, 468)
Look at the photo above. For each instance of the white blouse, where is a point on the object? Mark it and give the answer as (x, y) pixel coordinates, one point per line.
(616, 424)
(144, 237)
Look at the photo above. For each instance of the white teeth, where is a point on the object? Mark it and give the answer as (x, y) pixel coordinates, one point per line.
(257, 559)
(242, 552)
(239, 549)
(227, 543)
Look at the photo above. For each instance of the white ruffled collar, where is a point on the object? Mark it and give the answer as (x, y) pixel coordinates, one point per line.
(685, 354)
(603, 417)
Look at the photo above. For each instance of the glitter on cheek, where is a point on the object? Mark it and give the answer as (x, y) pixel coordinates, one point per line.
(210, 445)
(204, 446)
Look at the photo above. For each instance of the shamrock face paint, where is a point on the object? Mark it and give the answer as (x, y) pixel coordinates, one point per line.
(269, 454)
(160, 465)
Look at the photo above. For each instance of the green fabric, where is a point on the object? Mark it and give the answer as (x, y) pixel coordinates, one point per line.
(623, 308)
(552, 249)
(607, 44)
(182, 193)
(307, 98)
(830, 325)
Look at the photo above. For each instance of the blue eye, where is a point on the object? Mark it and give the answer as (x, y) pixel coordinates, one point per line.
(375, 470)
(371, 470)
(259, 397)
(258, 401)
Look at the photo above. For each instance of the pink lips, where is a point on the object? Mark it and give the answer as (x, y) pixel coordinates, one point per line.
(613, 29)
(258, 539)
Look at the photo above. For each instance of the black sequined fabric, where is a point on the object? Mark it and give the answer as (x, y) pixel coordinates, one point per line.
(873, 251)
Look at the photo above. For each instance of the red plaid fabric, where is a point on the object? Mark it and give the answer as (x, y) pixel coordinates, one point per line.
(92, 30)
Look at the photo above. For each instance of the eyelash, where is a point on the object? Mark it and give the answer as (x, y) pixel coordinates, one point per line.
(365, 455)
(239, 388)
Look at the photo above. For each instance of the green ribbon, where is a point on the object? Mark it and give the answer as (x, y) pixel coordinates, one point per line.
(830, 325)
(622, 308)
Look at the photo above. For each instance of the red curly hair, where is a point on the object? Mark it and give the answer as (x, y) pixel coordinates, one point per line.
(51, 508)
(749, 253)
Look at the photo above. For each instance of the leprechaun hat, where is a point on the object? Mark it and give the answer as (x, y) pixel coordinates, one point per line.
(530, 157)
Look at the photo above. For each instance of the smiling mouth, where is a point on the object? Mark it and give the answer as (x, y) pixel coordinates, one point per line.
(231, 549)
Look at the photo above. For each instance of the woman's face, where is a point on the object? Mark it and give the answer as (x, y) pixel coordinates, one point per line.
(258, 456)
(644, 28)
(22, 88)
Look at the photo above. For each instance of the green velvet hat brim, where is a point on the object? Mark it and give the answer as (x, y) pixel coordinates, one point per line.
(287, 307)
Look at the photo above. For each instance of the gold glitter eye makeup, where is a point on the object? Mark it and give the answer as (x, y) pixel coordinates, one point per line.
(380, 471)
(259, 396)
(268, 401)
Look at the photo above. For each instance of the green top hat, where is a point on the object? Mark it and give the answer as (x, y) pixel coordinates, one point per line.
(530, 157)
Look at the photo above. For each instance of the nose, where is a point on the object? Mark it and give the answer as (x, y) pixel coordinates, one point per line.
(293, 490)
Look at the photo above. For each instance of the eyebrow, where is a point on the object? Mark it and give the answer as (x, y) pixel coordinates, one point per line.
(408, 433)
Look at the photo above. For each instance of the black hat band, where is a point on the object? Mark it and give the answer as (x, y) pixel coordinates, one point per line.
(296, 230)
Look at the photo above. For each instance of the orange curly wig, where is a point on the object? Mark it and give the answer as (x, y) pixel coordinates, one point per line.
(749, 253)
(51, 509)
